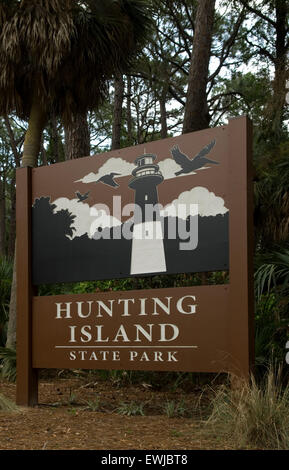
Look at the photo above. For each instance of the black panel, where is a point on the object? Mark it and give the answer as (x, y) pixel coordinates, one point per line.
(57, 258)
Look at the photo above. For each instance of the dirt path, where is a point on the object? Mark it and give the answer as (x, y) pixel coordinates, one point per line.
(76, 414)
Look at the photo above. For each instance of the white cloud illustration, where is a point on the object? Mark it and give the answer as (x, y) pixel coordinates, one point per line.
(102, 219)
(196, 201)
(87, 219)
(168, 168)
(113, 165)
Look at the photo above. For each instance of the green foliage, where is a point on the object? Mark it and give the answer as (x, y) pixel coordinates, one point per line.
(272, 197)
(39, 39)
(272, 272)
(131, 409)
(8, 364)
(93, 405)
(6, 272)
(149, 282)
(159, 72)
(244, 93)
(174, 409)
(272, 304)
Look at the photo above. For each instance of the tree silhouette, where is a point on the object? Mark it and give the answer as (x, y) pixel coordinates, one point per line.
(46, 220)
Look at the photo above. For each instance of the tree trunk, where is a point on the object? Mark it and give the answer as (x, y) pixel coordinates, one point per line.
(196, 110)
(12, 232)
(2, 217)
(11, 331)
(31, 150)
(33, 135)
(163, 112)
(55, 140)
(17, 157)
(276, 105)
(117, 112)
(43, 154)
(77, 137)
(128, 112)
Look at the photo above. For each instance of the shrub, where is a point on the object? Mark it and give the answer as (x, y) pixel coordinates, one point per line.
(8, 363)
(131, 409)
(6, 272)
(175, 409)
(254, 416)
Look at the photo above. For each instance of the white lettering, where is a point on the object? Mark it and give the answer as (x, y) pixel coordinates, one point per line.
(171, 356)
(164, 327)
(158, 356)
(99, 335)
(93, 356)
(115, 356)
(132, 355)
(85, 333)
(107, 309)
(122, 333)
(146, 334)
(72, 334)
(125, 307)
(144, 357)
(72, 355)
(143, 307)
(79, 309)
(165, 308)
(66, 309)
(192, 308)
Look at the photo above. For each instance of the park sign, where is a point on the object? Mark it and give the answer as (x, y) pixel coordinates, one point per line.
(178, 205)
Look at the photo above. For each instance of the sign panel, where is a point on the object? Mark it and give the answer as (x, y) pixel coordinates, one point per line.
(159, 329)
(183, 204)
(157, 208)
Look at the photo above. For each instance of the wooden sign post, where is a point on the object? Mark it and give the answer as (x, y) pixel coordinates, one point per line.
(27, 386)
(183, 204)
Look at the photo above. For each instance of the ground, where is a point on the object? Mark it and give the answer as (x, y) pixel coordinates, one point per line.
(84, 412)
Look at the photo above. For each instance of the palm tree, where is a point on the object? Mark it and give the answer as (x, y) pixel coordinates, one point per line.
(272, 199)
(56, 56)
(55, 59)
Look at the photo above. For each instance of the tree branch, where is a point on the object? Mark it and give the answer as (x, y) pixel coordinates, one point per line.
(262, 50)
(228, 45)
(257, 12)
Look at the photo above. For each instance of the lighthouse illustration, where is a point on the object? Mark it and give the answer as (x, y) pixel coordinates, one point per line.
(148, 254)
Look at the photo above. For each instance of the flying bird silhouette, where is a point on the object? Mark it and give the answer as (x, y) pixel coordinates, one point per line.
(81, 197)
(109, 179)
(196, 163)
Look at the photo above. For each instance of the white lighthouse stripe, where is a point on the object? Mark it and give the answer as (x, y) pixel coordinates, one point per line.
(148, 231)
(147, 257)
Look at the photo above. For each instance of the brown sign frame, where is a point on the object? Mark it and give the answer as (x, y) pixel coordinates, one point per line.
(240, 298)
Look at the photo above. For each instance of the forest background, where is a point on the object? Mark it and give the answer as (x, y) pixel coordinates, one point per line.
(199, 64)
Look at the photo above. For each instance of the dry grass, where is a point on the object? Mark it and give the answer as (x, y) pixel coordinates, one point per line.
(6, 404)
(253, 416)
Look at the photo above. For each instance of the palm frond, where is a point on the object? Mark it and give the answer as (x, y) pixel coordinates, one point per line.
(65, 50)
(272, 270)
